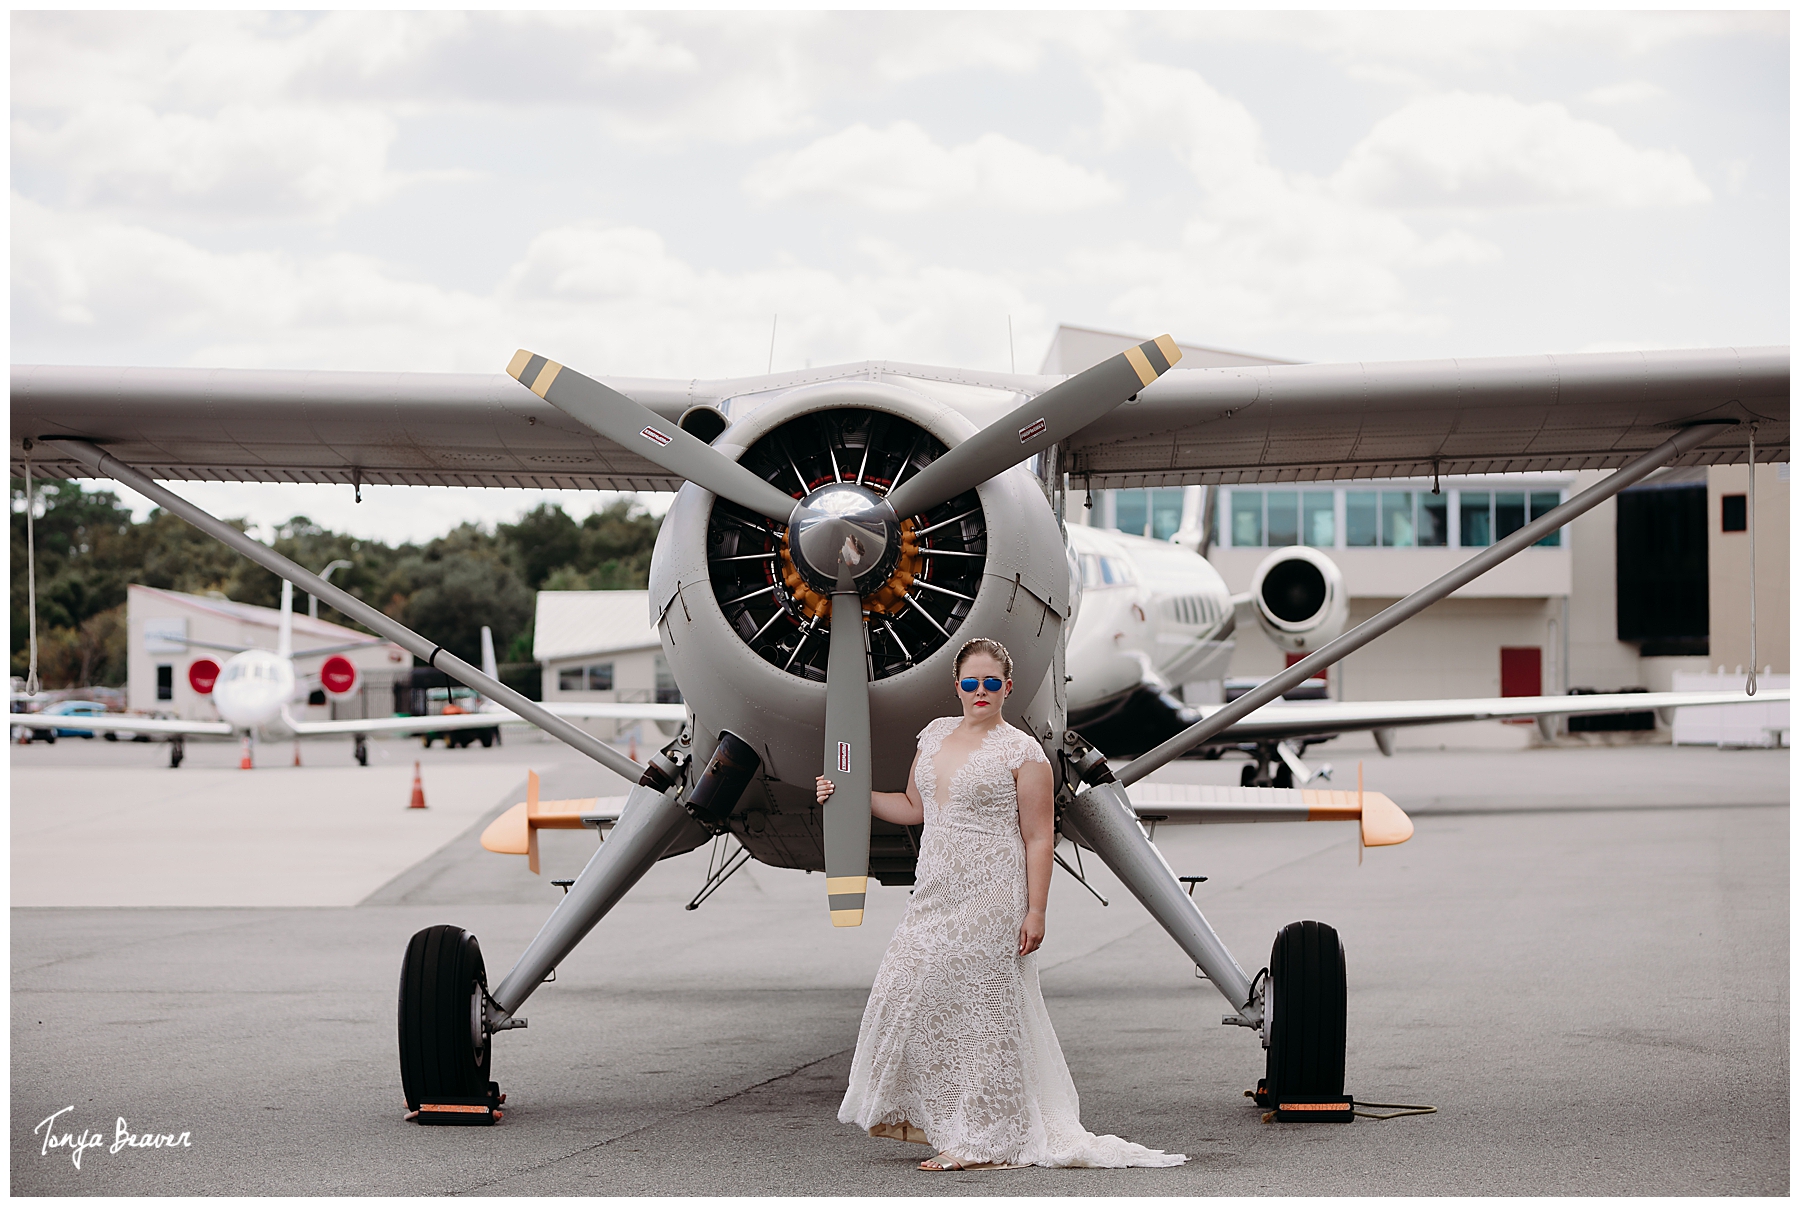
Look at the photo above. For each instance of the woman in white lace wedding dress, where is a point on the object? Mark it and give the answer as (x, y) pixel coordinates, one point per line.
(955, 1042)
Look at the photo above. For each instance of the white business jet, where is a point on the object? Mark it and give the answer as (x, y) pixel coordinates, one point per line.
(1154, 617)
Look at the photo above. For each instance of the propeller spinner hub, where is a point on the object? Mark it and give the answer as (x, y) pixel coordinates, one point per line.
(844, 529)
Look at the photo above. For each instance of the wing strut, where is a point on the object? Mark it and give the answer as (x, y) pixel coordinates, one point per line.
(1271, 689)
(107, 466)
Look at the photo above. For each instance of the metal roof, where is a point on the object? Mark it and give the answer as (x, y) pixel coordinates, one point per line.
(574, 624)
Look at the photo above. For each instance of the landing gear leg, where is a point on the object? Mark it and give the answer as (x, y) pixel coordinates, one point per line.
(1102, 820)
(362, 750)
(177, 751)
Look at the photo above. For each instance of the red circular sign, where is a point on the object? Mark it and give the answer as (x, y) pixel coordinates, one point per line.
(202, 674)
(338, 675)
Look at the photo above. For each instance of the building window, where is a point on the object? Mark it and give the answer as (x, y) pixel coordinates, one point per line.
(1246, 518)
(1542, 503)
(595, 677)
(1283, 524)
(1152, 513)
(165, 681)
(1434, 520)
(1733, 514)
(1387, 519)
(1397, 518)
(1477, 507)
(1318, 518)
(1359, 518)
(666, 691)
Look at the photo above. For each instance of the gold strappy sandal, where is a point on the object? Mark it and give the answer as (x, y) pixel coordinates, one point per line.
(899, 1131)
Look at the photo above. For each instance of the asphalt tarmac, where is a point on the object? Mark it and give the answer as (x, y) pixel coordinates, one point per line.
(1581, 958)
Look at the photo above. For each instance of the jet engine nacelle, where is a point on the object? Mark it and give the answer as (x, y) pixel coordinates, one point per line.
(1299, 597)
(730, 607)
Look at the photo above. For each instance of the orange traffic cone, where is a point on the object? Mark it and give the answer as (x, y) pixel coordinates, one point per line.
(244, 762)
(632, 753)
(296, 752)
(418, 795)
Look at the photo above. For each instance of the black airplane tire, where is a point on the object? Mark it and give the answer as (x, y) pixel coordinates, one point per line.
(439, 982)
(1284, 776)
(1307, 1012)
(487, 739)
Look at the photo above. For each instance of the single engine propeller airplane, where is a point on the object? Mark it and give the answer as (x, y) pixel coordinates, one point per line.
(835, 533)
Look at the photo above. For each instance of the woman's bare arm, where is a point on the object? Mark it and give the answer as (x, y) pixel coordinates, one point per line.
(1037, 825)
(901, 808)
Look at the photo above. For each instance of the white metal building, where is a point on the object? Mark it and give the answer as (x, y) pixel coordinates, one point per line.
(169, 632)
(601, 646)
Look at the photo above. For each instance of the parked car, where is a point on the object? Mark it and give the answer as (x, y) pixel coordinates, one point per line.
(77, 708)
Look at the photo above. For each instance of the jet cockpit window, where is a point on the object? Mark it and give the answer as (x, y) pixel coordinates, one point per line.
(1098, 570)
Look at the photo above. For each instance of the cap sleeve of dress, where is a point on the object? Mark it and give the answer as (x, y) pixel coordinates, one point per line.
(929, 725)
(1024, 749)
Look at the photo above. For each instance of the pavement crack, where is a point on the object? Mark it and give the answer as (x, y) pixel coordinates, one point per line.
(660, 1121)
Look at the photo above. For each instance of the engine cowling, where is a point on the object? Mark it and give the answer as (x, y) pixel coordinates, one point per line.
(741, 627)
(1299, 597)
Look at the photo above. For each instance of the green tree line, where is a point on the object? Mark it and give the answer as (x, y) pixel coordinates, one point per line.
(89, 550)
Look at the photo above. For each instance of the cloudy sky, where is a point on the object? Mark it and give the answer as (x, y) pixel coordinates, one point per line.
(642, 195)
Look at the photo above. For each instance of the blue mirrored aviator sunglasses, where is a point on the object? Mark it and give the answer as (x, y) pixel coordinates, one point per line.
(991, 683)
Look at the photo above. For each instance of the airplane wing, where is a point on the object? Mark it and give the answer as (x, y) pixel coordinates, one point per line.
(1303, 719)
(1268, 423)
(486, 719)
(120, 723)
(1384, 824)
(603, 711)
(1241, 424)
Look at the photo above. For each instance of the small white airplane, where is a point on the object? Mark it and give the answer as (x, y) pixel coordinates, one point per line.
(257, 688)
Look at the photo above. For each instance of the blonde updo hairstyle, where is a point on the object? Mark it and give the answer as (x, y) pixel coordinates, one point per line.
(988, 646)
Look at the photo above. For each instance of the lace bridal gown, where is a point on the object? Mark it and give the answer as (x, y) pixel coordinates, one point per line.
(956, 1039)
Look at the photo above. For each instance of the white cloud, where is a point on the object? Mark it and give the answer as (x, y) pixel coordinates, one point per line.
(287, 161)
(612, 299)
(1473, 151)
(902, 169)
(1263, 249)
(1631, 92)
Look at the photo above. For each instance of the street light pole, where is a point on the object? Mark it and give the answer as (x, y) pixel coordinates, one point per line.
(312, 601)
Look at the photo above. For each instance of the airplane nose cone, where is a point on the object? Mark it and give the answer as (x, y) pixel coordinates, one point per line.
(844, 530)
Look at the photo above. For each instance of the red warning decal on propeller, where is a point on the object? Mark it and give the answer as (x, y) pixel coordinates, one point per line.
(654, 436)
(1036, 428)
(338, 675)
(203, 673)
(844, 756)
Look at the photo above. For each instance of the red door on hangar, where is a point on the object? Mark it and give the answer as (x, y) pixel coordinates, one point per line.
(1521, 670)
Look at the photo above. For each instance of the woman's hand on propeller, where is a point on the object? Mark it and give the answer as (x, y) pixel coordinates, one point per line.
(1031, 934)
(826, 788)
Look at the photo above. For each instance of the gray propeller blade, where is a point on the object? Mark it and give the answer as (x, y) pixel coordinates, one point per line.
(847, 759)
(634, 426)
(1062, 409)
